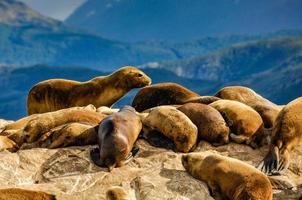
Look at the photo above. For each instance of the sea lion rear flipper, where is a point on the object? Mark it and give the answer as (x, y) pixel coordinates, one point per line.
(271, 161)
(95, 156)
(284, 161)
(239, 138)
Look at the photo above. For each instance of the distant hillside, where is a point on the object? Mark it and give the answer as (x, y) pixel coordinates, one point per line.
(180, 20)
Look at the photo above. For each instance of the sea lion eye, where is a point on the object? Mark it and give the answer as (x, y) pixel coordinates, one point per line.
(139, 74)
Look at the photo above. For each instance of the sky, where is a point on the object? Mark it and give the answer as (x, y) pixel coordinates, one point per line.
(58, 9)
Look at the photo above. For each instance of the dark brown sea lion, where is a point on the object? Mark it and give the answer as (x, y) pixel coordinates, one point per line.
(243, 120)
(22, 194)
(36, 127)
(161, 94)
(211, 125)
(228, 178)
(267, 109)
(116, 137)
(173, 124)
(56, 94)
(287, 135)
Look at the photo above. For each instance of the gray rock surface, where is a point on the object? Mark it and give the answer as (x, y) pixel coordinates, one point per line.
(154, 173)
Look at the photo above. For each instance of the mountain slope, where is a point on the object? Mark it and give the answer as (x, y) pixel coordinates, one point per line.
(179, 20)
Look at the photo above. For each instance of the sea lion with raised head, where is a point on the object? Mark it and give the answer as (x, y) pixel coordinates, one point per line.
(228, 178)
(173, 124)
(56, 94)
(211, 125)
(161, 94)
(243, 120)
(116, 136)
(286, 135)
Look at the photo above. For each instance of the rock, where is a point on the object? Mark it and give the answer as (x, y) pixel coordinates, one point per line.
(154, 173)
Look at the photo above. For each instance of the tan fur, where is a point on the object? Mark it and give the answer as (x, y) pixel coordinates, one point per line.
(173, 124)
(73, 134)
(36, 127)
(12, 128)
(228, 178)
(243, 120)
(203, 99)
(7, 144)
(211, 125)
(56, 94)
(21, 194)
(267, 110)
(161, 94)
(117, 193)
(116, 136)
(287, 135)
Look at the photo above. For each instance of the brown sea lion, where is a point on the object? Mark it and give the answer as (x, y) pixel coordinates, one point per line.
(21, 123)
(36, 127)
(161, 94)
(56, 94)
(7, 144)
(117, 193)
(22, 194)
(211, 125)
(73, 134)
(174, 124)
(203, 100)
(116, 136)
(228, 178)
(267, 109)
(243, 120)
(287, 135)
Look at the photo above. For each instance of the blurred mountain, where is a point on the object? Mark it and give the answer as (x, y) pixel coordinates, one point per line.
(180, 20)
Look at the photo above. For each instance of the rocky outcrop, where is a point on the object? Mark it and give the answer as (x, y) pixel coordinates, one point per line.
(154, 173)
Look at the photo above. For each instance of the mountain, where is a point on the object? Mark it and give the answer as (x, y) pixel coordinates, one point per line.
(272, 67)
(28, 38)
(180, 20)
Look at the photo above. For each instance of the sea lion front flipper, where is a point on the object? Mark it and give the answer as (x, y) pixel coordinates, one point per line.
(157, 139)
(239, 138)
(282, 183)
(95, 156)
(228, 120)
(215, 191)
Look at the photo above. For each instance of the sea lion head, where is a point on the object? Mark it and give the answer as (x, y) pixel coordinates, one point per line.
(194, 159)
(133, 77)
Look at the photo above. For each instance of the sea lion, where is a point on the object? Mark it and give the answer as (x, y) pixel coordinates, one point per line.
(7, 144)
(21, 123)
(116, 136)
(267, 109)
(203, 99)
(117, 193)
(174, 124)
(73, 134)
(228, 178)
(211, 125)
(22, 194)
(243, 120)
(56, 94)
(36, 127)
(286, 135)
(161, 94)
